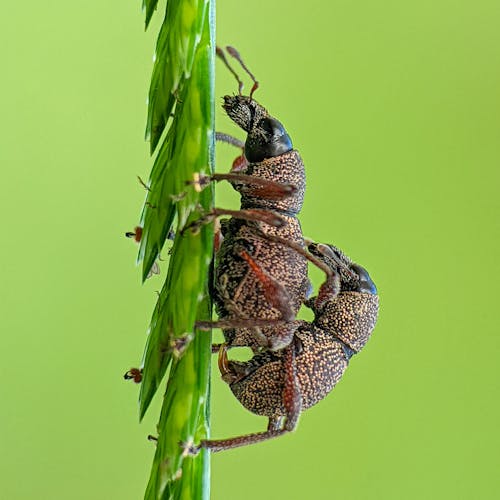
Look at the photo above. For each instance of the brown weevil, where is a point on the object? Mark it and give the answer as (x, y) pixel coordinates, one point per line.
(260, 279)
(281, 384)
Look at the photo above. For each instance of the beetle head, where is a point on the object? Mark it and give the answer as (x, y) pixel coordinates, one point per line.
(266, 136)
(353, 277)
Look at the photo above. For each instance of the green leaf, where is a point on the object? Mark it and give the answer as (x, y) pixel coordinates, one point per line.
(150, 7)
(178, 158)
(182, 420)
(188, 149)
(175, 312)
(175, 49)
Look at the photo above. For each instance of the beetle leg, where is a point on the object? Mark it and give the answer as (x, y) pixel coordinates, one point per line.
(254, 186)
(230, 443)
(218, 236)
(215, 347)
(229, 139)
(292, 398)
(292, 401)
(331, 286)
(275, 293)
(258, 187)
(223, 361)
(224, 324)
(250, 214)
(275, 423)
(277, 296)
(282, 335)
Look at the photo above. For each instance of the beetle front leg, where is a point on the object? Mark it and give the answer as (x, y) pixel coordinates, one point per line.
(254, 186)
(330, 287)
(229, 139)
(250, 214)
(226, 324)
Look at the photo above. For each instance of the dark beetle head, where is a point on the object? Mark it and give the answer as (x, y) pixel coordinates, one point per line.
(350, 315)
(353, 277)
(266, 136)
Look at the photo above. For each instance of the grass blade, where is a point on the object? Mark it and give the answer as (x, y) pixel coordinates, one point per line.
(182, 84)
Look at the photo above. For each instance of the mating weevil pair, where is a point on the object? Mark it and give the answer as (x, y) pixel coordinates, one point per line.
(261, 282)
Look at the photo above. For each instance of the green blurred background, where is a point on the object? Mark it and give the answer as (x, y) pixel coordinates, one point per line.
(395, 108)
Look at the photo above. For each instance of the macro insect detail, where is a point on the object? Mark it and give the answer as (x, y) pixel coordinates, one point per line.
(281, 384)
(260, 277)
(261, 281)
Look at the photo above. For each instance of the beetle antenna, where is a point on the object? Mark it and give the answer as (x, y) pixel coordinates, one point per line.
(234, 53)
(222, 56)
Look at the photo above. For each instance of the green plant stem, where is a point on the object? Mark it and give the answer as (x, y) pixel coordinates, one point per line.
(182, 84)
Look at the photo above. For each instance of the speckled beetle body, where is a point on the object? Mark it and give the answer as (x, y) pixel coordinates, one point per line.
(261, 281)
(341, 328)
(256, 278)
(280, 385)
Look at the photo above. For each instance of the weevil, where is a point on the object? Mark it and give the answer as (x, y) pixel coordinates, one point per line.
(281, 384)
(261, 281)
(260, 277)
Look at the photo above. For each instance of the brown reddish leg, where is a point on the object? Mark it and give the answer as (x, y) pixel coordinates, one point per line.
(292, 401)
(331, 286)
(255, 186)
(276, 295)
(239, 323)
(250, 214)
(274, 291)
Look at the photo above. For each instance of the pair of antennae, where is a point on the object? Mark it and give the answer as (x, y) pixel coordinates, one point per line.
(234, 53)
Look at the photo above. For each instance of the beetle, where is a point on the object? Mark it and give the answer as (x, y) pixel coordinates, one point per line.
(260, 278)
(281, 384)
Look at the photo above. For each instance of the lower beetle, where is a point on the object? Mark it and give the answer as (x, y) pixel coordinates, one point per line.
(282, 384)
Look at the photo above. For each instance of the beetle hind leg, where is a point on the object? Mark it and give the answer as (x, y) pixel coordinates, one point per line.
(277, 426)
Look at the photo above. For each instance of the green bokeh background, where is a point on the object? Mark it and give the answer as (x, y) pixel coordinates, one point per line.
(395, 108)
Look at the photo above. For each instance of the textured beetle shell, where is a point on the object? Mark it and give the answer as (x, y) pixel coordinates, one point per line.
(287, 168)
(351, 317)
(319, 366)
(239, 293)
